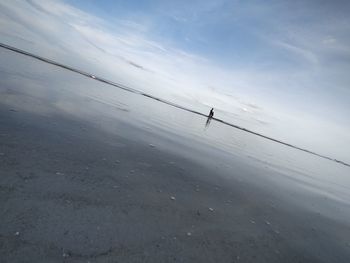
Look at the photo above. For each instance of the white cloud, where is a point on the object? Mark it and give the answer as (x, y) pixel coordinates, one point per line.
(304, 53)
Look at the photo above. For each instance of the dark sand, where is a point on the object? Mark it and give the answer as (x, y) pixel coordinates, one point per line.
(72, 193)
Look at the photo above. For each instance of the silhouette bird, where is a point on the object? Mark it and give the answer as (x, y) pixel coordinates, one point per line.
(211, 113)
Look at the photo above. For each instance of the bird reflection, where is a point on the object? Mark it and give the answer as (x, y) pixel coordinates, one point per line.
(208, 122)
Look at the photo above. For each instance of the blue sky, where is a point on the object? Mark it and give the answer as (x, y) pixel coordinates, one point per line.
(305, 38)
(277, 67)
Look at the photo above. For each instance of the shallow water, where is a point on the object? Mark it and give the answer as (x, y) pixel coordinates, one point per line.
(43, 89)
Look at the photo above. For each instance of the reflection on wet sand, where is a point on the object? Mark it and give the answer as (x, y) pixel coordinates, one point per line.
(123, 87)
(207, 123)
(83, 180)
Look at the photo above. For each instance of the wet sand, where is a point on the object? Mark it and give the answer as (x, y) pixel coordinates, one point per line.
(89, 173)
(70, 192)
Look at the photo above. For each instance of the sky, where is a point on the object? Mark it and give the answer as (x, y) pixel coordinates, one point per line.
(280, 68)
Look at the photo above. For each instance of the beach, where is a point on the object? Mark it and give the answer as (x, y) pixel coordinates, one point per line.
(87, 180)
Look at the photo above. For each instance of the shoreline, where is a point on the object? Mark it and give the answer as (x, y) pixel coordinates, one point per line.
(123, 87)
